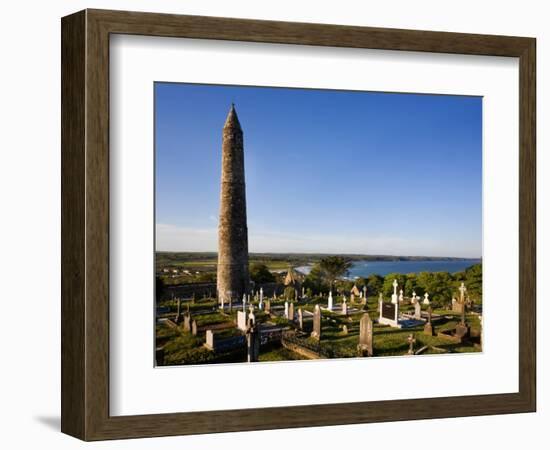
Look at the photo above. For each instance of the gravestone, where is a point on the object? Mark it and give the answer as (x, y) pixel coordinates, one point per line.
(428, 328)
(417, 311)
(194, 328)
(352, 298)
(286, 310)
(261, 304)
(210, 344)
(345, 329)
(187, 322)
(222, 304)
(330, 306)
(401, 295)
(365, 336)
(380, 302)
(413, 298)
(251, 317)
(300, 319)
(268, 306)
(303, 292)
(241, 320)
(244, 302)
(291, 312)
(316, 333)
(411, 340)
(345, 308)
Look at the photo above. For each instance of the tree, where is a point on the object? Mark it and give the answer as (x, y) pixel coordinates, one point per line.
(315, 280)
(387, 288)
(474, 282)
(333, 267)
(374, 284)
(259, 273)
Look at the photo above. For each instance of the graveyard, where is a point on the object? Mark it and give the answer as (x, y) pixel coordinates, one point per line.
(298, 326)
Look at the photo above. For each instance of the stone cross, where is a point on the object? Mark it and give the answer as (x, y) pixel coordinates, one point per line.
(345, 329)
(261, 294)
(268, 306)
(300, 319)
(286, 310)
(194, 328)
(411, 340)
(244, 302)
(187, 322)
(364, 292)
(413, 300)
(329, 307)
(316, 333)
(291, 312)
(401, 295)
(380, 301)
(365, 336)
(251, 318)
(394, 295)
(462, 290)
(303, 291)
(426, 298)
(345, 308)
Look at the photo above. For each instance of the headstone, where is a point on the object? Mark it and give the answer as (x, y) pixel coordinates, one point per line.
(345, 329)
(261, 298)
(417, 311)
(365, 336)
(251, 322)
(286, 310)
(241, 320)
(187, 322)
(303, 291)
(268, 306)
(345, 308)
(300, 319)
(428, 328)
(365, 293)
(426, 299)
(316, 333)
(330, 306)
(413, 298)
(194, 328)
(394, 295)
(411, 340)
(352, 298)
(244, 302)
(210, 344)
(401, 295)
(380, 301)
(291, 312)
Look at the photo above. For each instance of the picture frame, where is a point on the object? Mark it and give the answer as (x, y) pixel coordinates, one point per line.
(85, 224)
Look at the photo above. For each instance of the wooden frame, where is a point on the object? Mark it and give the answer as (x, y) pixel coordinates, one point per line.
(85, 224)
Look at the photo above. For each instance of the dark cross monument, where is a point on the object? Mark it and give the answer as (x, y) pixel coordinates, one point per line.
(178, 314)
(316, 333)
(252, 342)
(233, 273)
(462, 330)
(428, 328)
(365, 336)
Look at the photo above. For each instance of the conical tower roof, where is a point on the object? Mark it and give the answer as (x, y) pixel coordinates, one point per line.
(232, 121)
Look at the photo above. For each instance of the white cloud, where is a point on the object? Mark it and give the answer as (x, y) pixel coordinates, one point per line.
(175, 238)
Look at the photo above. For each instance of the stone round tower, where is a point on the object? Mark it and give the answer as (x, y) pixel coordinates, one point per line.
(233, 276)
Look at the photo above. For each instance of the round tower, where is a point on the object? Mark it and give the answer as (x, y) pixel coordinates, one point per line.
(233, 277)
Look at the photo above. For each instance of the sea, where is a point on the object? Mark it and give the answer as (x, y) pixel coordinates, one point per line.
(366, 268)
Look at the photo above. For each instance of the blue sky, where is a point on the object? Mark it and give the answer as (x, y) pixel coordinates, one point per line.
(326, 171)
